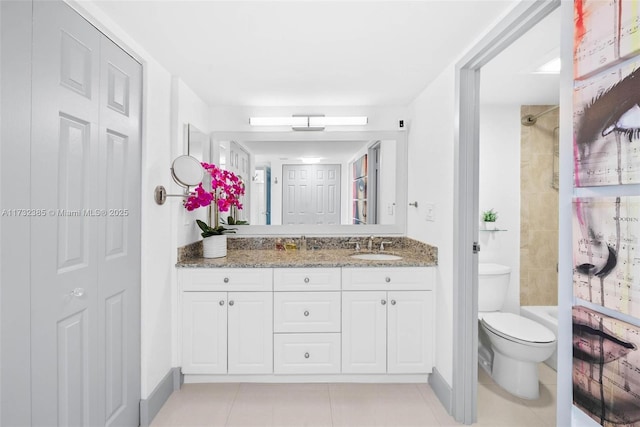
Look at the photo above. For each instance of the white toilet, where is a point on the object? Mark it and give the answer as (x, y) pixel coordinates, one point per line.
(510, 346)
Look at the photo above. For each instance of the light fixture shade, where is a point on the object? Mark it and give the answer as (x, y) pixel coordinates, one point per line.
(279, 121)
(309, 122)
(337, 121)
(550, 67)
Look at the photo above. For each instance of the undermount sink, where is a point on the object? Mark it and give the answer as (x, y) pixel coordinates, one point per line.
(377, 257)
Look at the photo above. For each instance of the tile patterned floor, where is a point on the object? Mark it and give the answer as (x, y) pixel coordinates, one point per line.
(362, 405)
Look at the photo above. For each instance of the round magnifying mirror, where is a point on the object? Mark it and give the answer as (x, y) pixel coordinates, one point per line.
(187, 171)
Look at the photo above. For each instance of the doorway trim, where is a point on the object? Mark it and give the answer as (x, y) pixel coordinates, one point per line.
(514, 24)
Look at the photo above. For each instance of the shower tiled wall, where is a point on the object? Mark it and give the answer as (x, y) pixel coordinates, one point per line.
(538, 210)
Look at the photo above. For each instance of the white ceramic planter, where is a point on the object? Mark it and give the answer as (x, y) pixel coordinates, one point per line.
(214, 246)
(490, 225)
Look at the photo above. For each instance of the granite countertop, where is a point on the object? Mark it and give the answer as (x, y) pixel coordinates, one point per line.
(331, 253)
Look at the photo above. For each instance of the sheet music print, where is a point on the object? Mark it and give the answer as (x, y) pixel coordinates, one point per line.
(629, 27)
(594, 45)
(606, 252)
(606, 368)
(607, 127)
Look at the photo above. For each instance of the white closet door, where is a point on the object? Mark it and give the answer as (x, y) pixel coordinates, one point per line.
(85, 318)
(119, 235)
(311, 194)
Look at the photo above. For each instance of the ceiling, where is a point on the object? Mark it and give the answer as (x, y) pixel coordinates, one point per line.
(508, 78)
(305, 52)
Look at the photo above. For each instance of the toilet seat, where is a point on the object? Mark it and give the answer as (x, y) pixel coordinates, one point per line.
(517, 328)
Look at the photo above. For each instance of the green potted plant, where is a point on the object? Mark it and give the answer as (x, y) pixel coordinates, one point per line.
(489, 219)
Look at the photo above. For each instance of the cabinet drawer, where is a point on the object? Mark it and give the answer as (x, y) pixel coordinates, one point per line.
(395, 278)
(226, 279)
(306, 353)
(306, 312)
(306, 279)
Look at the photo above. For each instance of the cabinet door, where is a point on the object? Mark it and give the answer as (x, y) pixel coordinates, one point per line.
(364, 330)
(204, 332)
(410, 332)
(250, 332)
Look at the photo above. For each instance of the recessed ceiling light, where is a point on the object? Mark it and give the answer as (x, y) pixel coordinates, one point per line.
(551, 67)
(310, 160)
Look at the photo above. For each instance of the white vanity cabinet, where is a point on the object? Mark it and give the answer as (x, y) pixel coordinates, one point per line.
(226, 330)
(387, 320)
(296, 324)
(306, 320)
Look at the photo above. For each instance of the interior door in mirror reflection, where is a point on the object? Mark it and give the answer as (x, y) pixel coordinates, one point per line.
(311, 194)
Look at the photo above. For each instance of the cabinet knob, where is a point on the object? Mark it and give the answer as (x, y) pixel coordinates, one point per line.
(77, 292)
(231, 302)
(306, 313)
(221, 302)
(226, 280)
(393, 302)
(306, 280)
(387, 279)
(306, 355)
(383, 302)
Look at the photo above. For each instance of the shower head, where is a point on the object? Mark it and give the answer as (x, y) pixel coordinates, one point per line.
(530, 119)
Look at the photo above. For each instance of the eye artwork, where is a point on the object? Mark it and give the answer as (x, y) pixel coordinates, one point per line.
(606, 92)
(607, 127)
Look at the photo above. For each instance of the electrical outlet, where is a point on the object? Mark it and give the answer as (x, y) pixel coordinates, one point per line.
(430, 209)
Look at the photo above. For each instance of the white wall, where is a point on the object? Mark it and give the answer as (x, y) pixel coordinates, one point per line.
(430, 172)
(499, 184)
(189, 109)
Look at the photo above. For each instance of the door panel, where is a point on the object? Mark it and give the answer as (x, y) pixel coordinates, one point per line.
(311, 194)
(410, 337)
(64, 161)
(73, 370)
(85, 162)
(250, 333)
(119, 235)
(364, 332)
(204, 333)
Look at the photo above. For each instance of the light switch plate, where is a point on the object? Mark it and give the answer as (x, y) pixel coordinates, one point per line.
(430, 211)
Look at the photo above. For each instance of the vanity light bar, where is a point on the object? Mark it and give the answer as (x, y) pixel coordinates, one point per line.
(309, 121)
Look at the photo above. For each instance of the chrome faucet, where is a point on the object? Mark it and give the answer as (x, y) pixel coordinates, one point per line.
(370, 243)
(384, 243)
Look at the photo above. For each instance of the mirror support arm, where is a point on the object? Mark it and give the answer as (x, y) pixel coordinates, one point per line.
(160, 195)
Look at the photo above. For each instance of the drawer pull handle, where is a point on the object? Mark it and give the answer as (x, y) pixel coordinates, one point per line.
(383, 302)
(306, 280)
(306, 355)
(231, 302)
(306, 313)
(393, 302)
(221, 302)
(226, 280)
(387, 279)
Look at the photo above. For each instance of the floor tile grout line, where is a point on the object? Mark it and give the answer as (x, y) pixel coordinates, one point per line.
(233, 402)
(330, 403)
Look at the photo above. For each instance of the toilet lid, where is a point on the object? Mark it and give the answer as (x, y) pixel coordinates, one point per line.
(518, 327)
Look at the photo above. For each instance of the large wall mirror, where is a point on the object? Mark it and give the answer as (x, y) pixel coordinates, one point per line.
(317, 183)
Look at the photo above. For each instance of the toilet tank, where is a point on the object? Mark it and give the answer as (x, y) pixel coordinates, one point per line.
(493, 283)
